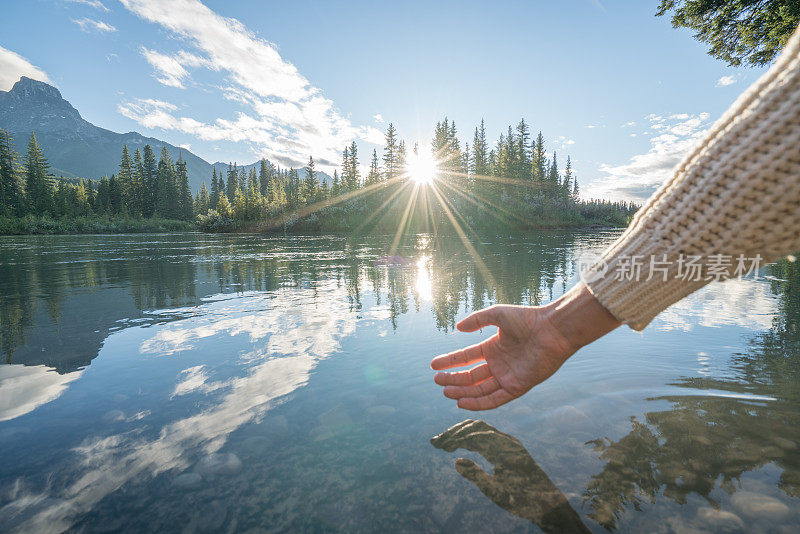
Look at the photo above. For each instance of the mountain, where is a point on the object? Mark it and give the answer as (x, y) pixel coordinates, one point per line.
(74, 146)
(77, 148)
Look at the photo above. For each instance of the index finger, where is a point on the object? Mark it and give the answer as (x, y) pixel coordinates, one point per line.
(459, 358)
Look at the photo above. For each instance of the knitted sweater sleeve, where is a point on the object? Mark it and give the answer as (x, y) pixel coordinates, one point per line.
(737, 195)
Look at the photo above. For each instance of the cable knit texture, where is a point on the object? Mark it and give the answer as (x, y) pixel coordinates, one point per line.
(737, 192)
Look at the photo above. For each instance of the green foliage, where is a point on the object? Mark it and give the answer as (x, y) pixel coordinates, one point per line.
(11, 195)
(89, 224)
(738, 31)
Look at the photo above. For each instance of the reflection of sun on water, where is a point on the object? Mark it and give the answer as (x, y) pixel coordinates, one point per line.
(424, 284)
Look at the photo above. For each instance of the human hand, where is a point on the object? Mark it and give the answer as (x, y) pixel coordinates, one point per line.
(518, 484)
(530, 345)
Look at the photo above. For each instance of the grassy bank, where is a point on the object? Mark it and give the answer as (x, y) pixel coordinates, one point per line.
(90, 225)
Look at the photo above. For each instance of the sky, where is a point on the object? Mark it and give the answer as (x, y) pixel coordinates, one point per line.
(617, 89)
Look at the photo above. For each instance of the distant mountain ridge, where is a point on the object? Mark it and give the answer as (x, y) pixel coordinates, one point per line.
(77, 148)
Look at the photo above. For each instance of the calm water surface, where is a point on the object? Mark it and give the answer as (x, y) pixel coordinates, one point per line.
(193, 383)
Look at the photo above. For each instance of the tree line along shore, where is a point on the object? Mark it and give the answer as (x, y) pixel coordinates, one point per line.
(511, 185)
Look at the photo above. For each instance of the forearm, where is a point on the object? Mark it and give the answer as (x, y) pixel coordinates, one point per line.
(737, 194)
(579, 317)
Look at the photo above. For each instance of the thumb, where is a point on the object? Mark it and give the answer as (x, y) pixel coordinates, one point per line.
(481, 318)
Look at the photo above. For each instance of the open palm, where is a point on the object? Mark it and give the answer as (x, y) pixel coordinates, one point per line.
(526, 350)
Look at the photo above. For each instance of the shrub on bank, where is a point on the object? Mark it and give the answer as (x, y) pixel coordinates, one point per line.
(89, 225)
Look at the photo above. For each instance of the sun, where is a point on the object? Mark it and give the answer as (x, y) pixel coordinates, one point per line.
(421, 168)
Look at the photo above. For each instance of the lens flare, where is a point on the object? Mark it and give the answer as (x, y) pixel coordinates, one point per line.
(421, 168)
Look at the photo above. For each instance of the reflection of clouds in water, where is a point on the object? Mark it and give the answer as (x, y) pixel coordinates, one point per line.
(302, 326)
(24, 388)
(195, 380)
(744, 303)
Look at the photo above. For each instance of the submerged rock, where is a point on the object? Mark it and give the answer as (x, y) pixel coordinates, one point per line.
(187, 480)
(211, 517)
(219, 464)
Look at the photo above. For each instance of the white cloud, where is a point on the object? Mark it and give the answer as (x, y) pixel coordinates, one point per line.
(378, 117)
(644, 173)
(628, 124)
(564, 142)
(284, 117)
(171, 70)
(590, 126)
(91, 25)
(97, 4)
(13, 67)
(726, 80)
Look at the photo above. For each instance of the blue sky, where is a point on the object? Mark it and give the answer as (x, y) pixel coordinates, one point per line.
(616, 88)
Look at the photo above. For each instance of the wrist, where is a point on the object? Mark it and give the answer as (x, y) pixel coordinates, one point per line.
(580, 318)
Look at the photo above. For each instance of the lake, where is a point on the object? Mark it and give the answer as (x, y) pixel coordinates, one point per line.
(239, 383)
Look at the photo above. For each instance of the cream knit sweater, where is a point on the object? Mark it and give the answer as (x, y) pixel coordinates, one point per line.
(737, 193)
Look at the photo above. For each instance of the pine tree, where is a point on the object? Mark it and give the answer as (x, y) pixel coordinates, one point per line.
(480, 156)
(265, 176)
(374, 175)
(576, 194)
(310, 182)
(203, 200)
(336, 187)
(252, 180)
(390, 155)
(539, 160)
(150, 181)
(566, 186)
(103, 202)
(553, 178)
(524, 167)
(224, 207)
(10, 187)
(214, 198)
(137, 184)
(114, 195)
(401, 156)
(125, 178)
(233, 182)
(353, 174)
(167, 198)
(185, 202)
(38, 187)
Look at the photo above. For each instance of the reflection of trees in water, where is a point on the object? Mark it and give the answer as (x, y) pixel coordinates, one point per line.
(161, 275)
(705, 442)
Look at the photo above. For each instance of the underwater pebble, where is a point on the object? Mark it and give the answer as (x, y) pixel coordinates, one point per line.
(212, 517)
(187, 480)
(757, 505)
(219, 464)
